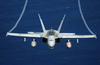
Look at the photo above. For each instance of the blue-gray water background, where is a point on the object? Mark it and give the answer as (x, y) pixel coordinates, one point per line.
(14, 51)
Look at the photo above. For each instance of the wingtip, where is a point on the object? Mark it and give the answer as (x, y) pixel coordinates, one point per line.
(6, 34)
(95, 37)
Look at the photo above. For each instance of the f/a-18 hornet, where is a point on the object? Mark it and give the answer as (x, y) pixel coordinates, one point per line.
(51, 37)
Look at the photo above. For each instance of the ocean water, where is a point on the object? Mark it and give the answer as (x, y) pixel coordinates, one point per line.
(14, 51)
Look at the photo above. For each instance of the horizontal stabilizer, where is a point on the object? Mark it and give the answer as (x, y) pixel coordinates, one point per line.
(64, 34)
(35, 32)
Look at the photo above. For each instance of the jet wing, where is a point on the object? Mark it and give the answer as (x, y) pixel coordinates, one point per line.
(76, 36)
(37, 35)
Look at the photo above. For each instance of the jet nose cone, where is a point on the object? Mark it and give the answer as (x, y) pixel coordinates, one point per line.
(51, 45)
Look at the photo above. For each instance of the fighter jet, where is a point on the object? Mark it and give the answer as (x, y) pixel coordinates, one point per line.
(51, 37)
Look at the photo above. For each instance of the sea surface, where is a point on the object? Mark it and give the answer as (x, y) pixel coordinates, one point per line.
(14, 51)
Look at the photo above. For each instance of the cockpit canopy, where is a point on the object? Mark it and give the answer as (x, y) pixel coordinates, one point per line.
(51, 32)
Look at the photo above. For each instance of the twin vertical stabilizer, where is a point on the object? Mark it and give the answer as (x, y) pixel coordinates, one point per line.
(61, 23)
(41, 23)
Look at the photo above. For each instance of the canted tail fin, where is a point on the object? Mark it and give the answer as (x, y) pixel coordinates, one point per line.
(61, 23)
(41, 23)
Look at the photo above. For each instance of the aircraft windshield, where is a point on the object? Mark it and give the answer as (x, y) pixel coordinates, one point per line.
(51, 32)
